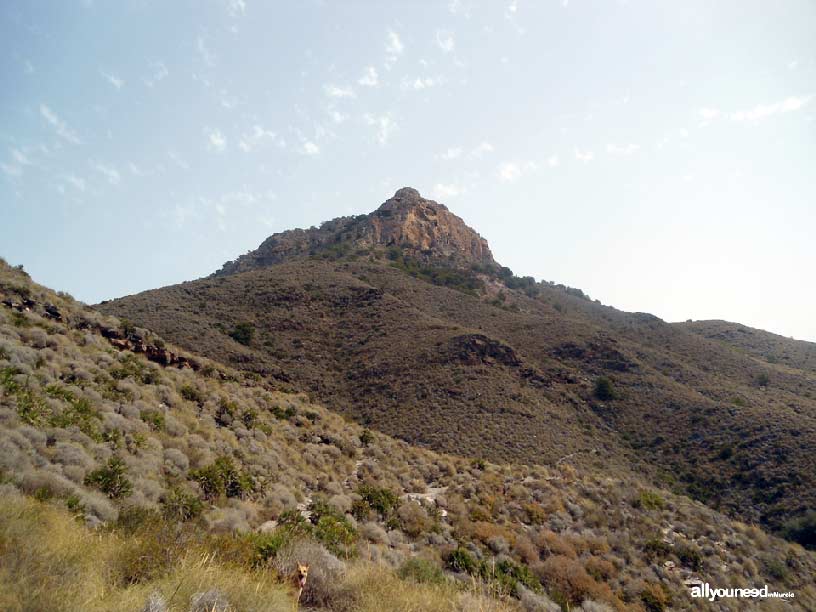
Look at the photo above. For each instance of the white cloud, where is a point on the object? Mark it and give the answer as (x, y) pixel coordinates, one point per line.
(77, 182)
(204, 52)
(763, 111)
(335, 91)
(419, 83)
(11, 169)
(216, 141)
(113, 79)
(28, 67)
(236, 8)
(109, 172)
(445, 41)
(584, 156)
(481, 149)
(393, 49)
(20, 157)
(509, 172)
(257, 137)
(708, 114)
(62, 129)
(627, 149)
(385, 125)
(512, 8)
(370, 78)
(553, 161)
(451, 153)
(309, 148)
(394, 46)
(136, 170)
(160, 72)
(443, 191)
(337, 116)
(178, 160)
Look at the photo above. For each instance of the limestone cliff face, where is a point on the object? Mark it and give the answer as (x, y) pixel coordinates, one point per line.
(423, 229)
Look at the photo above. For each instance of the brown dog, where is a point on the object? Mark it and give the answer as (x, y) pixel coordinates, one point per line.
(299, 580)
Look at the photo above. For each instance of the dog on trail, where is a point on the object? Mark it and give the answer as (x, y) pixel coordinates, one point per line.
(299, 580)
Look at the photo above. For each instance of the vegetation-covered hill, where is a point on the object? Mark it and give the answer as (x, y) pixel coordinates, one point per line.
(769, 347)
(418, 333)
(134, 474)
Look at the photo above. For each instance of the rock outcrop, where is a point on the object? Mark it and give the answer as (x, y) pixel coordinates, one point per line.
(423, 229)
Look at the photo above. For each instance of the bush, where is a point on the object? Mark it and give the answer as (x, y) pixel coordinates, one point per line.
(604, 390)
(191, 394)
(180, 505)
(460, 560)
(242, 333)
(421, 571)
(654, 598)
(380, 500)
(802, 530)
(649, 500)
(111, 479)
(222, 478)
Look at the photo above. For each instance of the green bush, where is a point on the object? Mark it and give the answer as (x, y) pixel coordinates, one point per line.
(222, 478)
(649, 500)
(802, 530)
(604, 390)
(111, 479)
(191, 394)
(242, 333)
(380, 500)
(460, 560)
(421, 571)
(179, 505)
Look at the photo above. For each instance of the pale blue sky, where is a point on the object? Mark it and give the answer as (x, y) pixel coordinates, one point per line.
(661, 156)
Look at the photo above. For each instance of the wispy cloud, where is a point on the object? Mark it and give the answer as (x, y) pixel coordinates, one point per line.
(393, 48)
(445, 41)
(309, 148)
(450, 153)
(627, 149)
(178, 160)
(75, 181)
(420, 83)
(443, 191)
(159, 73)
(482, 149)
(708, 114)
(337, 91)
(370, 78)
(763, 111)
(11, 170)
(109, 172)
(553, 161)
(216, 141)
(204, 51)
(62, 129)
(112, 79)
(584, 156)
(337, 116)
(258, 136)
(236, 8)
(510, 172)
(384, 124)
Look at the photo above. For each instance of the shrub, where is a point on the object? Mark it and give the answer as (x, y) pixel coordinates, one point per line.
(649, 500)
(366, 437)
(689, 556)
(421, 571)
(179, 505)
(191, 394)
(802, 530)
(242, 333)
(604, 389)
(460, 560)
(111, 479)
(222, 478)
(654, 598)
(380, 500)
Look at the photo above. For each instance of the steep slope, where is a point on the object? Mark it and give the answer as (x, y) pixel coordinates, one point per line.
(427, 338)
(186, 460)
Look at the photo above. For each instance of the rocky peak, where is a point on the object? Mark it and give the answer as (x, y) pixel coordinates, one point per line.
(421, 228)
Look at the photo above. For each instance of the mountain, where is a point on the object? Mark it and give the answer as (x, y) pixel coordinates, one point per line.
(136, 475)
(403, 321)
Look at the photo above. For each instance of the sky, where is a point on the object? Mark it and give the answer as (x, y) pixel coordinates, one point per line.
(661, 156)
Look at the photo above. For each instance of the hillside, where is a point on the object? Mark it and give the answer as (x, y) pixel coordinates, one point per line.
(769, 347)
(137, 474)
(417, 332)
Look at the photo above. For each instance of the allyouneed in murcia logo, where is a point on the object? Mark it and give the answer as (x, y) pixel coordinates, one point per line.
(706, 591)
